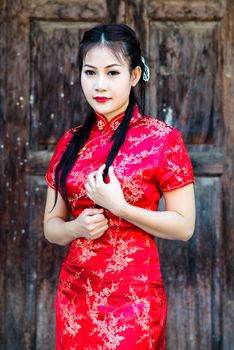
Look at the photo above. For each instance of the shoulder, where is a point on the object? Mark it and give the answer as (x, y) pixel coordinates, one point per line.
(72, 131)
(75, 129)
(60, 148)
(159, 127)
(67, 135)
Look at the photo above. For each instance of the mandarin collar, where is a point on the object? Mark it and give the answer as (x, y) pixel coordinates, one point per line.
(102, 122)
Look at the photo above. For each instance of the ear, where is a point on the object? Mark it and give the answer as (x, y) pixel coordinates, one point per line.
(136, 75)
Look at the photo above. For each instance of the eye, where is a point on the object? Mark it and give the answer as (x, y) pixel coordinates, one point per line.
(113, 72)
(89, 72)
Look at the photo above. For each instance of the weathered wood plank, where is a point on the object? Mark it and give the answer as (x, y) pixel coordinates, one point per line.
(228, 177)
(187, 10)
(57, 99)
(204, 163)
(43, 264)
(16, 84)
(3, 187)
(112, 11)
(196, 271)
(186, 78)
(193, 275)
(77, 9)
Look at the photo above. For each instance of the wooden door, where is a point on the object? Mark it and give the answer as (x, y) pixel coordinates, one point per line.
(189, 46)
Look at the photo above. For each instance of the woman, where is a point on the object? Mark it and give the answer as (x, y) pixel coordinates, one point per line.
(115, 168)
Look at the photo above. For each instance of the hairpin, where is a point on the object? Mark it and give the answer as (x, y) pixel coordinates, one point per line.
(146, 73)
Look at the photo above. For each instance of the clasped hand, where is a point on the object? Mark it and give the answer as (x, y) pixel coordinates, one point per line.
(109, 196)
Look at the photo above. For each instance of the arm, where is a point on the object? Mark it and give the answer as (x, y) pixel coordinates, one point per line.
(56, 227)
(90, 224)
(176, 222)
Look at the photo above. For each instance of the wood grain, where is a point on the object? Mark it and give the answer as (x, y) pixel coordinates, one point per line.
(228, 176)
(192, 273)
(3, 188)
(186, 64)
(189, 46)
(16, 131)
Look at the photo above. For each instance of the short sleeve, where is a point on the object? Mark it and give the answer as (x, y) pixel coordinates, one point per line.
(58, 152)
(174, 167)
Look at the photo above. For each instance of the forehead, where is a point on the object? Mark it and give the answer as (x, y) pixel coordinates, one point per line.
(100, 56)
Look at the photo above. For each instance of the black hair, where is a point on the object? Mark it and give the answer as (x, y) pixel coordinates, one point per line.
(122, 41)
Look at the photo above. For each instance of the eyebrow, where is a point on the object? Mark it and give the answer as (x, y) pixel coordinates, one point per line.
(110, 65)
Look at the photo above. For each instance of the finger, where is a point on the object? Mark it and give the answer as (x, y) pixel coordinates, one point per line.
(91, 179)
(88, 187)
(99, 177)
(92, 238)
(111, 172)
(93, 211)
(93, 172)
(95, 227)
(88, 190)
(98, 233)
(99, 218)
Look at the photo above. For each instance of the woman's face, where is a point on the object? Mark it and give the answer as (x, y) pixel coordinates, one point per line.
(104, 75)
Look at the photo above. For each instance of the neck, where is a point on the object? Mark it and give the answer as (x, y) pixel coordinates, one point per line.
(113, 114)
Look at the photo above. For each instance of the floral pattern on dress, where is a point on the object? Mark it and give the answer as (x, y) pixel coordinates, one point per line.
(111, 295)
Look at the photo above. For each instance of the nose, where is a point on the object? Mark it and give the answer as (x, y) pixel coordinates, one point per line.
(100, 83)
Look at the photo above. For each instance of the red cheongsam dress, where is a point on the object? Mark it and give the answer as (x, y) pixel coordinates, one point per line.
(111, 295)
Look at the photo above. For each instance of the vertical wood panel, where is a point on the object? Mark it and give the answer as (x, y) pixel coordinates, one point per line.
(3, 188)
(16, 144)
(186, 80)
(228, 178)
(57, 98)
(192, 273)
(116, 11)
(182, 42)
(43, 262)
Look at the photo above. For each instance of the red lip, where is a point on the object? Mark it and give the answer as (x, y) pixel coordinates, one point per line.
(101, 99)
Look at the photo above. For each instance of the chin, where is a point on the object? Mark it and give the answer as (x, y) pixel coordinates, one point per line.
(104, 109)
